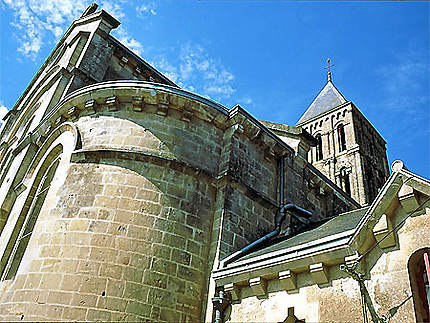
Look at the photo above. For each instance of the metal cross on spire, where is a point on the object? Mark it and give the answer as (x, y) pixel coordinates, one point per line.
(328, 69)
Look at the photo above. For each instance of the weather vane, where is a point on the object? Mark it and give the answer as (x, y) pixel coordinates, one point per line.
(328, 69)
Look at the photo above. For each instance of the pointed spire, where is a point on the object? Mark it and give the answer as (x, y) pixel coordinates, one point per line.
(328, 70)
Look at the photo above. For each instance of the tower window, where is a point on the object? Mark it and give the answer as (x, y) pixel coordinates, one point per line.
(344, 179)
(319, 148)
(341, 138)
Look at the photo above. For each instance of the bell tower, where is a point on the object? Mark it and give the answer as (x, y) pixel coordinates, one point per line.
(350, 151)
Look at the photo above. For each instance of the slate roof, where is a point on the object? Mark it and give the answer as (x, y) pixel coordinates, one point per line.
(328, 98)
(341, 223)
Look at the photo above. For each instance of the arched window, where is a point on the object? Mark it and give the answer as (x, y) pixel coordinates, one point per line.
(419, 275)
(341, 137)
(344, 179)
(319, 148)
(21, 235)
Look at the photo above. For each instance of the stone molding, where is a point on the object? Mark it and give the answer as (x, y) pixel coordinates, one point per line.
(138, 96)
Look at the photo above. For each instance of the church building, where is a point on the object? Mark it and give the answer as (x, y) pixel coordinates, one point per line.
(126, 198)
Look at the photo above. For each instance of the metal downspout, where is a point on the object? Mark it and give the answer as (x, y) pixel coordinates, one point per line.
(220, 303)
(279, 219)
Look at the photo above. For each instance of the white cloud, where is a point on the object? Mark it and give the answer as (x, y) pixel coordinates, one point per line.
(128, 40)
(405, 81)
(198, 71)
(3, 111)
(35, 20)
(146, 9)
(246, 101)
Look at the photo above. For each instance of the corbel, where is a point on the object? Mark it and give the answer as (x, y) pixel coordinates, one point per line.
(59, 120)
(352, 262)
(254, 133)
(269, 154)
(40, 140)
(137, 71)
(319, 273)
(220, 120)
(237, 128)
(234, 291)
(138, 103)
(47, 129)
(258, 286)
(90, 106)
(19, 188)
(382, 232)
(187, 113)
(112, 103)
(408, 198)
(72, 113)
(162, 104)
(287, 279)
(3, 145)
(123, 61)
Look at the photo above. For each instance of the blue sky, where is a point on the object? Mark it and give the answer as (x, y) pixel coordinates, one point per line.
(268, 56)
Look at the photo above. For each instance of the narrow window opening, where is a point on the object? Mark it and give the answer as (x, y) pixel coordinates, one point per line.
(346, 185)
(319, 148)
(341, 138)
